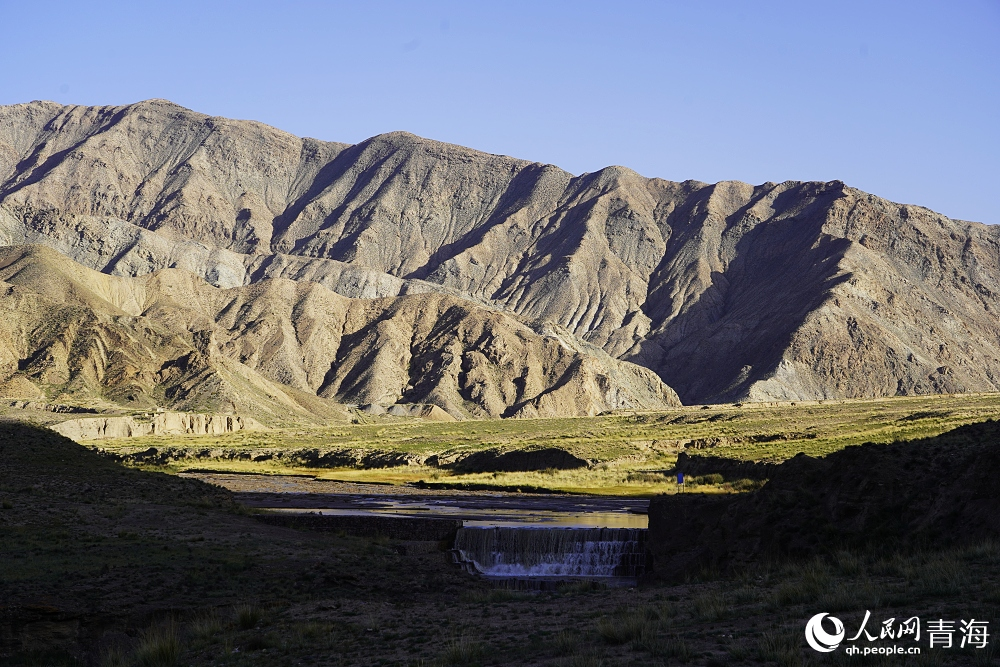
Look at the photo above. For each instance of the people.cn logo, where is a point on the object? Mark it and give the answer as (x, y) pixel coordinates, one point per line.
(821, 640)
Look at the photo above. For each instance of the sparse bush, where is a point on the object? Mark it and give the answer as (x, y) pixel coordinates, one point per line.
(667, 610)
(744, 485)
(582, 661)
(566, 643)
(746, 594)
(313, 630)
(663, 646)
(738, 651)
(646, 477)
(849, 595)
(711, 606)
(706, 480)
(896, 565)
(945, 575)
(804, 584)
(987, 550)
(247, 615)
(159, 646)
(780, 647)
(463, 650)
(627, 625)
(115, 656)
(206, 626)
(848, 563)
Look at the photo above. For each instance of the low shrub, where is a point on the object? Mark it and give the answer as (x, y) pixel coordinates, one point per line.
(711, 606)
(463, 650)
(247, 615)
(159, 646)
(206, 626)
(627, 625)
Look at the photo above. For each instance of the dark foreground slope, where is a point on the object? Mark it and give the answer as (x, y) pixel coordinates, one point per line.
(92, 551)
(727, 291)
(103, 566)
(932, 493)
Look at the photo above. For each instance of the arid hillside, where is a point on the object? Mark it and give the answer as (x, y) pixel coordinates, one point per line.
(727, 291)
(279, 347)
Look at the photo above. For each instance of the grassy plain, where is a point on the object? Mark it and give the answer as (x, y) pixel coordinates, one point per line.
(628, 453)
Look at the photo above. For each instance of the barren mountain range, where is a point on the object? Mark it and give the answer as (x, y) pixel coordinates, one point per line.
(227, 263)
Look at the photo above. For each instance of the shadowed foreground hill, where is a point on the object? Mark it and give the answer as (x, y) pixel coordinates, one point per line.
(935, 492)
(727, 291)
(103, 565)
(90, 548)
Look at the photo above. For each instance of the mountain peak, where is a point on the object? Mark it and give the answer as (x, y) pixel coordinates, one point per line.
(728, 291)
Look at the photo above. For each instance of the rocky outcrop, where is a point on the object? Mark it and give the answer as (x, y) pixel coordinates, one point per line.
(780, 291)
(164, 423)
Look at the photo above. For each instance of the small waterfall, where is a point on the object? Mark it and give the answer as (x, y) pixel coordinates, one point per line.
(552, 552)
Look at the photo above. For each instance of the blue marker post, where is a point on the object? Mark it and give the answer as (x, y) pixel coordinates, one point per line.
(680, 482)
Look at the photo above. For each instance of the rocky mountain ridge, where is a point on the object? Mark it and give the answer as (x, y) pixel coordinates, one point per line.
(279, 348)
(729, 291)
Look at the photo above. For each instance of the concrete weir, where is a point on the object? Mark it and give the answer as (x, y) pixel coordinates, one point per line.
(518, 539)
(527, 553)
(552, 553)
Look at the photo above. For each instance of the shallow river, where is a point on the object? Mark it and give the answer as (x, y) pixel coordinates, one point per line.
(474, 508)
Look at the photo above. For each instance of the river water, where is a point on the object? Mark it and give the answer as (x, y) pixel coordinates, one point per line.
(518, 536)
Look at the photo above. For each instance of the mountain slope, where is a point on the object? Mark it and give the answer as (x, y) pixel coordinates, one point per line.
(726, 291)
(283, 346)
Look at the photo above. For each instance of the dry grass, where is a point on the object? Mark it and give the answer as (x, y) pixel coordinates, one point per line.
(206, 626)
(463, 651)
(582, 661)
(247, 615)
(159, 646)
(779, 646)
(115, 656)
(631, 451)
(567, 642)
(711, 606)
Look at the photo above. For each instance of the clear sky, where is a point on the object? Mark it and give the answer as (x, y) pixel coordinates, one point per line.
(901, 99)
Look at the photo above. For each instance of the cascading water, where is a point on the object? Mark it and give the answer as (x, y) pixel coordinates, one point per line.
(555, 553)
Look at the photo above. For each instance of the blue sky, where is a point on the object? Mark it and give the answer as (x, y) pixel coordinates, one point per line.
(901, 99)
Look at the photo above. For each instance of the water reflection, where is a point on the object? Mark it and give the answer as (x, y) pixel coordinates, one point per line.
(491, 517)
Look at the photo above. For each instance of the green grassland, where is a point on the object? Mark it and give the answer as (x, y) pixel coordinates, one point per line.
(629, 453)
